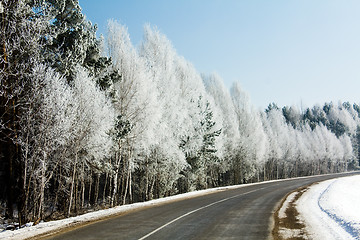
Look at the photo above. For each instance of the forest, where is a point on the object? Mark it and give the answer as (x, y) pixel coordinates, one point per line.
(91, 122)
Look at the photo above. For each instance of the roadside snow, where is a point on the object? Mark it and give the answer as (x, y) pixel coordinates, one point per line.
(331, 209)
(285, 205)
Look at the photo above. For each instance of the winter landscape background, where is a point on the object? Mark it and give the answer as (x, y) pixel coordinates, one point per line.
(94, 122)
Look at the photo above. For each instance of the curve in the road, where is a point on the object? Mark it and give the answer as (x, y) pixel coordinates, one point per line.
(193, 211)
(241, 213)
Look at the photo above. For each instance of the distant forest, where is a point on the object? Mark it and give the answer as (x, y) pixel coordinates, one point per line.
(90, 123)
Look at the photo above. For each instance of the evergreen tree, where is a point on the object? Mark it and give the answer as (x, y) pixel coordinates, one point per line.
(72, 40)
(292, 116)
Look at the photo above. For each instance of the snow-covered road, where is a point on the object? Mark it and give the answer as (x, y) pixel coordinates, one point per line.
(331, 209)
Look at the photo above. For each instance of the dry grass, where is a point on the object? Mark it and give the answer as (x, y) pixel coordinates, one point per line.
(290, 223)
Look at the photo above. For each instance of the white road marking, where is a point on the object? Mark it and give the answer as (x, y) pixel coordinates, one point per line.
(193, 211)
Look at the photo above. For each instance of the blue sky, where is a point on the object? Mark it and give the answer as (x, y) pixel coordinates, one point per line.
(291, 52)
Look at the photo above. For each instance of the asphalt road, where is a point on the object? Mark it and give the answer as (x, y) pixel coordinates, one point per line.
(242, 213)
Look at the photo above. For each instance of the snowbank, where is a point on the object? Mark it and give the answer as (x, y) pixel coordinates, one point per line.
(331, 209)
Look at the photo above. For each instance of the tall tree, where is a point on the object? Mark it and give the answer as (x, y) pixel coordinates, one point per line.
(135, 103)
(72, 40)
(252, 144)
(91, 143)
(45, 132)
(230, 126)
(22, 29)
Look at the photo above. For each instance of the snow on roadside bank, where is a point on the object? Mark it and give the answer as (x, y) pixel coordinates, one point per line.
(331, 209)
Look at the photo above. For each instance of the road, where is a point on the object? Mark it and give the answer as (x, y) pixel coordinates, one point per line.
(242, 213)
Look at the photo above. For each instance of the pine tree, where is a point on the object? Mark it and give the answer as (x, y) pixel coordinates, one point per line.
(207, 153)
(71, 39)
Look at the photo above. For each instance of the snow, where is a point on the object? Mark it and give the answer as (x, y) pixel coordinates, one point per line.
(331, 210)
(291, 233)
(285, 205)
(284, 231)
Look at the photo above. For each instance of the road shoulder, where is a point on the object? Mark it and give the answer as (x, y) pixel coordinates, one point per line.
(323, 210)
(286, 221)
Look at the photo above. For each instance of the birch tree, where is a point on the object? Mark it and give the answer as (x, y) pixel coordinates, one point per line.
(252, 144)
(135, 101)
(93, 121)
(21, 32)
(46, 130)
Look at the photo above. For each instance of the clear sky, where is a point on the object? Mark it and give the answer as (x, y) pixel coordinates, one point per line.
(290, 52)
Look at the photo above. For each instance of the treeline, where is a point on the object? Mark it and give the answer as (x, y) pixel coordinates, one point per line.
(89, 123)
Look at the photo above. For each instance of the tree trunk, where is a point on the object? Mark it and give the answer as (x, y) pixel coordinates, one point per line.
(97, 183)
(24, 210)
(104, 190)
(151, 190)
(115, 184)
(58, 189)
(42, 187)
(8, 117)
(72, 186)
(90, 187)
(147, 187)
(127, 183)
(83, 186)
(130, 187)
(265, 172)
(126, 188)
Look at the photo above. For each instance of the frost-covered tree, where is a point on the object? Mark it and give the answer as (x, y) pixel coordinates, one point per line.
(230, 131)
(43, 144)
(50, 32)
(174, 124)
(207, 159)
(135, 101)
(180, 93)
(277, 133)
(93, 120)
(21, 33)
(292, 116)
(252, 143)
(72, 39)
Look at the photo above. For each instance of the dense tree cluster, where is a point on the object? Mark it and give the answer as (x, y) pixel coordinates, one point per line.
(88, 123)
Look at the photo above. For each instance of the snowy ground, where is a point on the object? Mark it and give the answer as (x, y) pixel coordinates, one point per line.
(331, 209)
